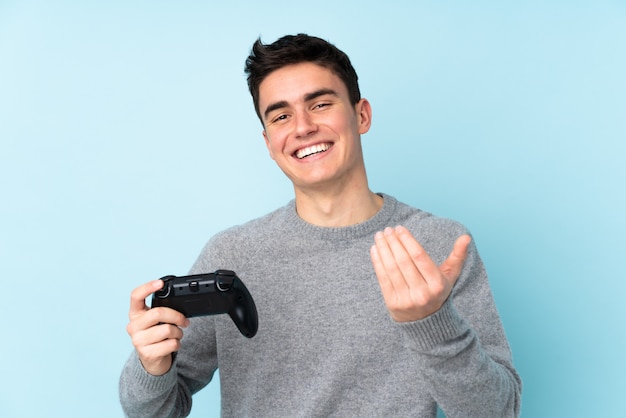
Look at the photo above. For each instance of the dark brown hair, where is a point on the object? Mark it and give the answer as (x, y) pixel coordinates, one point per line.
(295, 49)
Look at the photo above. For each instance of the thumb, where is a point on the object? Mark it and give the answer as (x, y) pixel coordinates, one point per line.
(451, 267)
(138, 297)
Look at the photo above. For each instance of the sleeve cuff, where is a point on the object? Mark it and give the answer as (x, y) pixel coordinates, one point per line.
(155, 384)
(444, 325)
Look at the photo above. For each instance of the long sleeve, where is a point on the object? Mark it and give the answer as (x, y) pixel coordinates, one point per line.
(464, 353)
(144, 395)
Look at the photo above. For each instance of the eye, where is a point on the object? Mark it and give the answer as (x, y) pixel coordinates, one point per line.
(279, 118)
(321, 105)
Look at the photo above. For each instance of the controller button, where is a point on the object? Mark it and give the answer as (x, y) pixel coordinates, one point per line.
(224, 283)
(163, 292)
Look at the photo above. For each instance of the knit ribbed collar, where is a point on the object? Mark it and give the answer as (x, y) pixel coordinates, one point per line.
(293, 222)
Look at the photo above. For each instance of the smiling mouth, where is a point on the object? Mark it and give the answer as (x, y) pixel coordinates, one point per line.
(312, 150)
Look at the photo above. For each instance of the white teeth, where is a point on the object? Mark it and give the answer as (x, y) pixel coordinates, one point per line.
(305, 152)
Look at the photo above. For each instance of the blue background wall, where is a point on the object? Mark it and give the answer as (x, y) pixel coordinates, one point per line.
(128, 138)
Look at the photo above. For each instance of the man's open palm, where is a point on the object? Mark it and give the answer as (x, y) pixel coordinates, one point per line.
(412, 284)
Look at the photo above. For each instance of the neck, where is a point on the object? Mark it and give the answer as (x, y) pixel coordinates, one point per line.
(337, 209)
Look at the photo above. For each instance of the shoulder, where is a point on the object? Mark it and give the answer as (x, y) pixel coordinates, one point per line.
(425, 222)
(266, 224)
(435, 233)
(242, 240)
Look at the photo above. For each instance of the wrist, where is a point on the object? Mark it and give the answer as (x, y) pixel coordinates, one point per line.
(158, 367)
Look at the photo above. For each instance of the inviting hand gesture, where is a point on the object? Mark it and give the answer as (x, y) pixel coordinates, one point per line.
(412, 285)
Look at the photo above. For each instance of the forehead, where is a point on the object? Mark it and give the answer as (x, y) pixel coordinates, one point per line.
(292, 82)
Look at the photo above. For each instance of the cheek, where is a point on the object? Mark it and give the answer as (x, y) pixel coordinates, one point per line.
(268, 144)
(274, 146)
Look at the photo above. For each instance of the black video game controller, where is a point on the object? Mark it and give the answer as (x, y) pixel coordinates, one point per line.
(210, 294)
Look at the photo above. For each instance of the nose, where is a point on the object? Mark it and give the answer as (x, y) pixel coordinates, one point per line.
(305, 125)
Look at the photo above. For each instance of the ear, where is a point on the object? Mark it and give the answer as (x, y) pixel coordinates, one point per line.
(364, 115)
(267, 144)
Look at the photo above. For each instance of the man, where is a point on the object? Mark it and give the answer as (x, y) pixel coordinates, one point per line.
(367, 307)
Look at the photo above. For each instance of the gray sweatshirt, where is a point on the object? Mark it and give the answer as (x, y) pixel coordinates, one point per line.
(326, 345)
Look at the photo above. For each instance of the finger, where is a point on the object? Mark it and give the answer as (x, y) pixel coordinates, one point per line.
(156, 352)
(389, 293)
(156, 316)
(138, 296)
(155, 346)
(155, 335)
(452, 266)
(406, 250)
(384, 243)
(426, 267)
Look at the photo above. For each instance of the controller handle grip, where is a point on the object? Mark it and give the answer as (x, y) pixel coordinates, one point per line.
(243, 311)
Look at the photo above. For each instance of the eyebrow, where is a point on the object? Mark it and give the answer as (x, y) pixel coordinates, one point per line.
(307, 97)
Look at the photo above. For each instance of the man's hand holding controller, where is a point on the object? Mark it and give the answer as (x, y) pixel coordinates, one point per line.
(155, 333)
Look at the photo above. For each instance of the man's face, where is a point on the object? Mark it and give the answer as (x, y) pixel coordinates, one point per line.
(312, 130)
